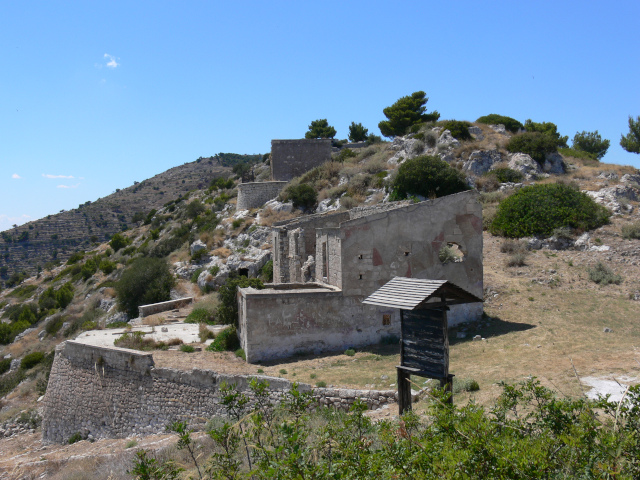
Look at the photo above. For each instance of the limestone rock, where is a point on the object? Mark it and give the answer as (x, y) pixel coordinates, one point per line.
(481, 161)
(447, 140)
(613, 176)
(106, 304)
(523, 163)
(197, 246)
(476, 132)
(631, 178)
(582, 242)
(277, 206)
(499, 129)
(184, 270)
(116, 317)
(554, 164)
(610, 198)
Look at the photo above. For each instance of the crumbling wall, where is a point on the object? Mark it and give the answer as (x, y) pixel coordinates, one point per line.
(145, 310)
(110, 392)
(307, 318)
(292, 158)
(256, 194)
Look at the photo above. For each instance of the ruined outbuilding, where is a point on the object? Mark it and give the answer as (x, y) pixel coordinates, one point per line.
(325, 265)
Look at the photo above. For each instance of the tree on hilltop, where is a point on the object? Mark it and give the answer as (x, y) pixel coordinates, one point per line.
(320, 129)
(357, 132)
(590, 142)
(631, 141)
(406, 112)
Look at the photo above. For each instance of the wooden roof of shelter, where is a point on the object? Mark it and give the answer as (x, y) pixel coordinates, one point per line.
(417, 293)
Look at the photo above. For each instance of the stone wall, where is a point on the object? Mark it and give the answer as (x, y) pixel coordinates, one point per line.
(145, 310)
(109, 392)
(256, 194)
(292, 158)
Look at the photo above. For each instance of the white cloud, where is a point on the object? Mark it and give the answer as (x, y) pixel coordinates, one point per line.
(16, 176)
(7, 221)
(69, 186)
(112, 61)
(48, 175)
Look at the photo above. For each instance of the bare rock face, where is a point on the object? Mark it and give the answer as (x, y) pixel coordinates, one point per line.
(447, 140)
(476, 132)
(523, 163)
(554, 164)
(610, 197)
(631, 178)
(481, 161)
(499, 129)
(197, 246)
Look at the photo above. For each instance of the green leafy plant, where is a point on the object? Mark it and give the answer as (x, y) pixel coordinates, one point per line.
(119, 241)
(240, 354)
(350, 352)
(147, 280)
(536, 145)
(226, 340)
(227, 312)
(539, 209)
(464, 385)
(590, 142)
(357, 133)
(320, 129)
(187, 348)
(549, 129)
(631, 141)
(201, 315)
(427, 176)
(321, 384)
(283, 371)
(459, 129)
(31, 360)
(509, 123)
(302, 195)
(507, 175)
(631, 231)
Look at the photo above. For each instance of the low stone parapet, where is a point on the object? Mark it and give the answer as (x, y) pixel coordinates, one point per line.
(146, 310)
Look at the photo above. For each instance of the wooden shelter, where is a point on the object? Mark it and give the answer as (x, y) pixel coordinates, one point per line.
(424, 340)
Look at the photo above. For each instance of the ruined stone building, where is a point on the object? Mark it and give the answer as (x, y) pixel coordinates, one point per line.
(326, 264)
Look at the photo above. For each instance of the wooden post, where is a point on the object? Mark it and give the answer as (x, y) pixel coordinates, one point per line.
(404, 390)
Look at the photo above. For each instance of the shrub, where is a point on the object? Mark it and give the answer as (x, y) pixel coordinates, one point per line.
(197, 272)
(631, 231)
(187, 348)
(344, 154)
(227, 312)
(303, 196)
(535, 144)
(464, 385)
(603, 275)
(590, 142)
(458, 129)
(512, 246)
(76, 437)
(448, 254)
(406, 112)
(107, 266)
(539, 209)
(350, 352)
(147, 280)
(5, 365)
(200, 315)
(194, 209)
(204, 333)
(516, 260)
(31, 360)
(507, 175)
(240, 354)
(283, 371)
(549, 129)
(75, 258)
(226, 340)
(321, 384)
(119, 241)
(89, 269)
(427, 176)
(570, 152)
(266, 272)
(509, 123)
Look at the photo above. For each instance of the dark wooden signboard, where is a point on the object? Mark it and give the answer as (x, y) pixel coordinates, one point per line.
(425, 343)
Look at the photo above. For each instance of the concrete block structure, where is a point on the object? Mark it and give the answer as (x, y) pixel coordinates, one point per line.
(256, 194)
(325, 265)
(292, 158)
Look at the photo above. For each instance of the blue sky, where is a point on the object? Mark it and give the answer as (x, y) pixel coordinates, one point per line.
(95, 95)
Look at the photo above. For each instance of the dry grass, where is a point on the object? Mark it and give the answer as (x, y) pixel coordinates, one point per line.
(268, 216)
(222, 252)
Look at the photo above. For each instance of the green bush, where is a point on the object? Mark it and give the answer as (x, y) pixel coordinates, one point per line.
(320, 129)
(5, 365)
(631, 231)
(507, 175)
(31, 360)
(303, 196)
(76, 437)
(350, 352)
(201, 315)
(107, 266)
(535, 144)
(458, 129)
(357, 132)
(464, 385)
(549, 129)
(147, 280)
(240, 354)
(427, 176)
(509, 123)
(54, 325)
(226, 340)
(603, 275)
(197, 272)
(538, 210)
(344, 154)
(119, 241)
(266, 272)
(517, 260)
(187, 348)
(570, 152)
(75, 258)
(89, 269)
(227, 312)
(321, 384)
(194, 209)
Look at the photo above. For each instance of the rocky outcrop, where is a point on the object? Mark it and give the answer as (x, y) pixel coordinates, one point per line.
(481, 161)
(554, 164)
(615, 198)
(523, 163)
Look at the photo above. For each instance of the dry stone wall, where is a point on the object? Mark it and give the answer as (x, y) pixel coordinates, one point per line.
(292, 158)
(146, 310)
(256, 194)
(108, 392)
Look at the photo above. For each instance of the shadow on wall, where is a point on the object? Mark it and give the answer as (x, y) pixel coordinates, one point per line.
(487, 327)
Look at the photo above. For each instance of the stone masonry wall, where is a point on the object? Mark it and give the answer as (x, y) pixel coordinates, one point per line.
(145, 310)
(292, 158)
(110, 392)
(256, 194)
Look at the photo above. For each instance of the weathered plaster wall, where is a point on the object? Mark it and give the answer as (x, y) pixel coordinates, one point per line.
(256, 194)
(292, 158)
(290, 255)
(145, 310)
(280, 323)
(110, 392)
(405, 242)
